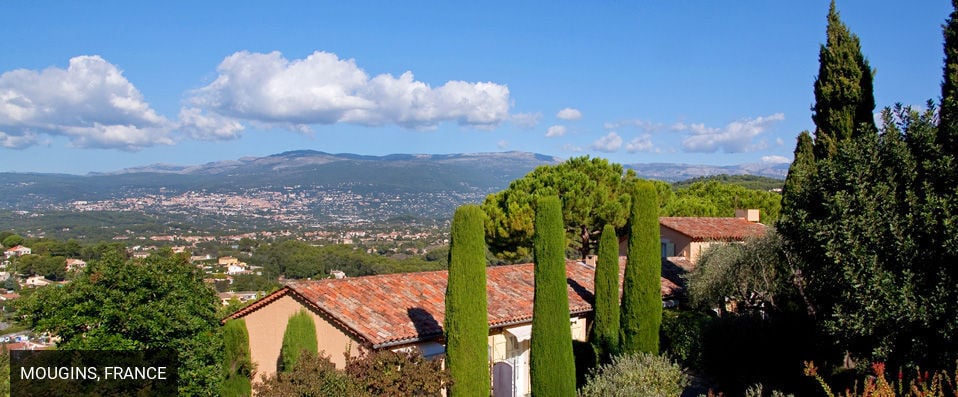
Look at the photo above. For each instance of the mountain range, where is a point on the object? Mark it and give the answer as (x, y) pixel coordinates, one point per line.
(298, 190)
(479, 173)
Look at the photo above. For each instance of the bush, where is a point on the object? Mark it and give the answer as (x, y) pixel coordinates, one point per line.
(683, 337)
(388, 373)
(300, 336)
(638, 375)
(313, 375)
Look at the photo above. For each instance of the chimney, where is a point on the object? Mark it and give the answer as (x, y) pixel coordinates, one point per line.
(591, 260)
(750, 215)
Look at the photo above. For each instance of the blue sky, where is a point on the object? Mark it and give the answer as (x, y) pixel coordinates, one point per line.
(99, 86)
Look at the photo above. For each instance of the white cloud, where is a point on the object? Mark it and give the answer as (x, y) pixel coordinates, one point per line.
(643, 125)
(569, 114)
(571, 148)
(556, 130)
(776, 159)
(609, 143)
(503, 144)
(323, 89)
(640, 144)
(90, 102)
(735, 137)
(526, 120)
(208, 127)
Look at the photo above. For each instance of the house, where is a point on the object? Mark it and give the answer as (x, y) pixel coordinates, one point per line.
(37, 281)
(688, 237)
(242, 296)
(75, 265)
(17, 251)
(406, 312)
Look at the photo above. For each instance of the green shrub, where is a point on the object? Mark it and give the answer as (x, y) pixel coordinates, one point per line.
(237, 364)
(300, 335)
(636, 375)
(683, 336)
(313, 375)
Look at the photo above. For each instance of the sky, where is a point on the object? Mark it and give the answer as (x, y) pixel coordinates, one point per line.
(105, 85)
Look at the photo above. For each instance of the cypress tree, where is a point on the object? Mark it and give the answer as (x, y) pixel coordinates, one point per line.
(844, 98)
(300, 335)
(947, 137)
(641, 295)
(552, 364)
(605, 329)
(799, 204)
(467, 326)
(237, 364)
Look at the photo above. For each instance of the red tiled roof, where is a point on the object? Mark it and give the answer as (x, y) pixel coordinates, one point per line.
(400, 308)
(702, 229)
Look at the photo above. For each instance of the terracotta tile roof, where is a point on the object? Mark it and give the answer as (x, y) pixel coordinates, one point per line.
(703, 229)
(393, 309)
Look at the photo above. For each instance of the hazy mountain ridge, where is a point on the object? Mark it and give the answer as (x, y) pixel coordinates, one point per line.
(475, 174)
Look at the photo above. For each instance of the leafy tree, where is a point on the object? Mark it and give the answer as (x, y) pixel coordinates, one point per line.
(300, 336)
(52, 268)
(116, 304)
(12, 240)
(397, 374)
(467, 327)
(605, 329)
(552, 365)
(594, 193)
(313, 375)
(636, 375)
(753, 274)
(641, 313)
(237, 364)
(947, 137)
(844, 98)
(4, 371)
(714, 198)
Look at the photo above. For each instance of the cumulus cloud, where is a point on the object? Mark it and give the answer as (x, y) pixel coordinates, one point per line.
(643, 125)
(736, 137)
(640, 144)
(526, 120)
(776, 159)
(608, 143)
(569, 114)
(555, 131)
(90, 102)
(503, 144)
(571, 148)
(324, 89)
(208, 127)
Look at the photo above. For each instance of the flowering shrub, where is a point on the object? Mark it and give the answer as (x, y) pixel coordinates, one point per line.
(924, 384)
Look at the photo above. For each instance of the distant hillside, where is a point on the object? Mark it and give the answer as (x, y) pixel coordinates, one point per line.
(298, 189)
(679, 172)
(747, 181)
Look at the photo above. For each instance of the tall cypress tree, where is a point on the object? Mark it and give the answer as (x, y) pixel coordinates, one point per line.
(641, 295)
(605, 329)
(552, 364)
(300, 335)
(800, 204)
(947, 137)
(467, 326)
(844, 98)
(237, 364)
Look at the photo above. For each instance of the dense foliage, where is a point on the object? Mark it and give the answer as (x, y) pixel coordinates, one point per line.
(641, 313)
(552, 364)
(298, 259)
(605, 326)
(118, 304)
(594, 193)
(314, 375)
(714, 198)
(636, 375)
(237, 364)
(299, 337)
(466, 324)
(751, 182)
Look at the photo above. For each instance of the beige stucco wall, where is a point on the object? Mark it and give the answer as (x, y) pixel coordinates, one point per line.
(267, 325)
(682, 243)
